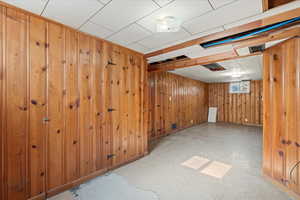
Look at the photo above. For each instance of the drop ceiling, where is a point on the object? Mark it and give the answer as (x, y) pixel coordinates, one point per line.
(132, 23)
(249, 67)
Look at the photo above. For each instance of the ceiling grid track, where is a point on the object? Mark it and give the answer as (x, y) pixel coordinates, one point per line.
(44, 7)
(93, 15)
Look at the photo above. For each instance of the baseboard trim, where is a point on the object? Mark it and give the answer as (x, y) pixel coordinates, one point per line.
(289, 192)
(75, 183)
(39, 197)
(174, 131)
(81, 180)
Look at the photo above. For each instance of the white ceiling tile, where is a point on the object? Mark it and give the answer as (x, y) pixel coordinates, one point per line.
(243, 51)
(130, 34)
(224, 15)
(284, 8)
(35, 6)
(96, 30)
(211, 31)
(105, 1)
(180, 52)
(120, 13)
(155, 59)
(159, 39)
(250, 68)
(200, 52)
(72, 12)
(138, 47)
(162, 2)
(183, 10)
(220, 3)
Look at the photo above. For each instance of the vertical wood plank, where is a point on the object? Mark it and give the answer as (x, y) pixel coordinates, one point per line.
(85, 107)
(56, 99)
(71, 139)
(267, 129)
(17, 104)
(38, 105)
(3, 184)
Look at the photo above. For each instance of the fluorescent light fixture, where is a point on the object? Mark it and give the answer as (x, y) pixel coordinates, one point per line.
(168, 24)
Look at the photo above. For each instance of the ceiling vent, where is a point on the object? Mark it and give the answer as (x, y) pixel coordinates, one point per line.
(214, 67)
(256, 49)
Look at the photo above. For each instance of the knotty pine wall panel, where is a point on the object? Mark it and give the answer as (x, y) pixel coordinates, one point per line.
(72, 106)
(281, 113)
(175, 100)
(237, 108)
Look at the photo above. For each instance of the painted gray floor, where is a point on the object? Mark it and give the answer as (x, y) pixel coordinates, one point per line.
(160, 175)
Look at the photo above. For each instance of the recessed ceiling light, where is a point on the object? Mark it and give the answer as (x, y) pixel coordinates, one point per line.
(168, 24)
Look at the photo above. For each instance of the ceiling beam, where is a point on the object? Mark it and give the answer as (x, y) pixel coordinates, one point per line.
(265, 5)
(246, 27)
(276, 3)
(279, 35)
(283, 34)
(197, 61)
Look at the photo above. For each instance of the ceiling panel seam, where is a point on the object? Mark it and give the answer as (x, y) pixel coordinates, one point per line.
(208, 12)
(136, 21)
(44, 7)
(98, 11)
(156, 3)
(211, 5)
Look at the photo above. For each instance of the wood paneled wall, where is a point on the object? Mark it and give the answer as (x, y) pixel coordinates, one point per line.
(237, 108)
(175, 100)
(72, 106)
(282, 113)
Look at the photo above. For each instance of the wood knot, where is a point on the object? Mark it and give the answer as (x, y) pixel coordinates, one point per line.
(44, 69)
(281, 154)
(23, 108)
(34, 102)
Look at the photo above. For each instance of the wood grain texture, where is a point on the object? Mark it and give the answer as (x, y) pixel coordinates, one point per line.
(237, 108)
(281, 116)
(175, 101)
(275, 3)
(72, 106)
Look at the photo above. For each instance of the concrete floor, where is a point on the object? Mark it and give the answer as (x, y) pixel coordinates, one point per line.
(160, 176)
